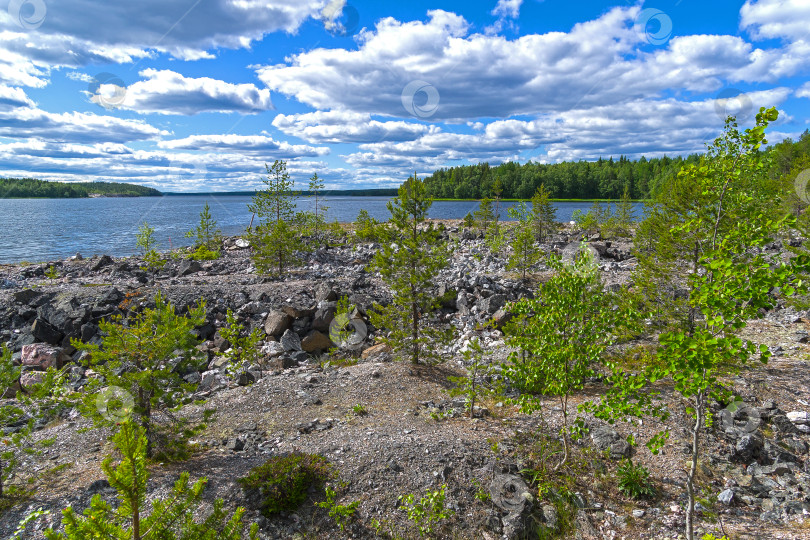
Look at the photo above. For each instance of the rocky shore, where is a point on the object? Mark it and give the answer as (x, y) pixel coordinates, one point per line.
(412, 436)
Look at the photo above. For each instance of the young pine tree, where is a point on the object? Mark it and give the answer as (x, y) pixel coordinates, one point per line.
(544, 215)
(624, 216)
(409, 262)
(276, 240)
(485, 215)
(143, 357)
(145, 240)
(207, 237)
(171, 518)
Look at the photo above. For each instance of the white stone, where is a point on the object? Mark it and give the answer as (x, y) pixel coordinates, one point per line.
(801, 418)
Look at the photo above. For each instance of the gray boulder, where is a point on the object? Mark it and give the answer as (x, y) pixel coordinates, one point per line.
(606, 438)
(276, 323)
(290, 341)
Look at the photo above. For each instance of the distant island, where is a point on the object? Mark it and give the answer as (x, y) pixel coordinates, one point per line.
(376, 192)
(31, 188)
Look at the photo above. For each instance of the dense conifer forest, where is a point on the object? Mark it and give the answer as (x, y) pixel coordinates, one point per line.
(31, 188)
(602, 179)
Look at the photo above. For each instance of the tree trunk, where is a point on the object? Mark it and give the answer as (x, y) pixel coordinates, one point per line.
(146, 412)
(566, 449)
(415, 332)
(690, 480)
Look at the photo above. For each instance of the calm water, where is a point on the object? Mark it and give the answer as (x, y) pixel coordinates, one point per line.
(50, 229)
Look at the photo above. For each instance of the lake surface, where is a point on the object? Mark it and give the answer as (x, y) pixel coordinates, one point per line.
(50, 229)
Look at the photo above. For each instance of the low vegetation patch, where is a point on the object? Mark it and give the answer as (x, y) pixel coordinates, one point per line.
(282, 482)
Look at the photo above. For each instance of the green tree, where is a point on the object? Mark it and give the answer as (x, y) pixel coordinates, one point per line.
(484, 216)
(170, 518)
(624, 217)
(474, 385)
(276, 240)
(525, 253)
(544, 215)
(207, 237)
(729, 277)
(497, 192)
(244, 349)
(143, 356)
(145, 240)
(409, 261)
(366, 227)
(559, 336)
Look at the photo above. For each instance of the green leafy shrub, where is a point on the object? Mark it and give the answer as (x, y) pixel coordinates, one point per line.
(244, 349)
(428, 511)
(282, 482)
(634, 480)
(341, 513)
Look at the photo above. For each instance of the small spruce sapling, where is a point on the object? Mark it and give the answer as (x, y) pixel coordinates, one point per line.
(171, 518)
(207, 237)
(525, 253)
(543, 216)
(145, 240)
(144, 356)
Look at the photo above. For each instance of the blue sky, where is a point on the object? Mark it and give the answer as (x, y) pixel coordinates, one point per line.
(196, 95)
